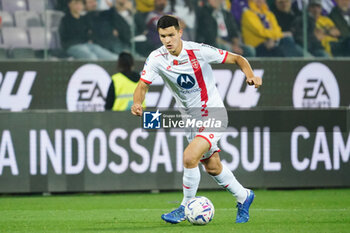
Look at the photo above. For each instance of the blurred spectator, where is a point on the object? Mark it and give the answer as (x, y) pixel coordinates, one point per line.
(185, 11)
(61, 5)
(327, 5)
(341, 17)
(285, 17)
(314, 45)
(75, 34)
(217, 27)
(104, 4)
(144, 6)
(237, 7)
(90, 5)
(261, 30)
(147, 38)
(121, 90)
(126, 10)
(151, 23)
(327, 31)
(284, 14)
(109, 29)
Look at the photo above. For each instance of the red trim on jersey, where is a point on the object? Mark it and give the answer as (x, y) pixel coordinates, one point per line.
(162, 54)
(148, 82)
(210, 155)
(223, 61)
(227, 185)
(199, 76)
(205, 139)
(186, 187)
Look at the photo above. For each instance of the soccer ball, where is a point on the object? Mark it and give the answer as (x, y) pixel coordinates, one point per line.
(199, 211)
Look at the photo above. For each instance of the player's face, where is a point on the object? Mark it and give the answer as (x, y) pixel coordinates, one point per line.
(171, 39)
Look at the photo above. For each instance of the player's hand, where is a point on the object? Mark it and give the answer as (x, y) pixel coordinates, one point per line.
(136, 109)
(257, 81)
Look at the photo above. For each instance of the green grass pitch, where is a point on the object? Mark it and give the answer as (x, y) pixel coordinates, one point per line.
(306, 211)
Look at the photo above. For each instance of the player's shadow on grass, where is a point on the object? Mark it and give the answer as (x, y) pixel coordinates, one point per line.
(136, 226)
(155, 228)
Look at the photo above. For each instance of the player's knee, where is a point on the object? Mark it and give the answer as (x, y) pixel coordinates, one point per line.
(189, 161)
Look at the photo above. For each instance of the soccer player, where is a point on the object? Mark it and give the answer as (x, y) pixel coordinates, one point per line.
(175, 60)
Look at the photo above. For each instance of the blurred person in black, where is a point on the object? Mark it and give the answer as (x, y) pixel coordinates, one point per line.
(109, 28)
(340, 15)
(217, 27)
(314, 36)
(121, 90)
(126, 10)
(284, 14)
(151, 23)
(75, 33)
(185, 10)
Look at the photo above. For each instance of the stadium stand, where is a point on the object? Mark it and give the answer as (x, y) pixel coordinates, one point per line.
(16, 41)
(52, 18)
(38, 40)
(36, 5)
(15, 37)
(14, 5)
(7, 19)
(26, 19)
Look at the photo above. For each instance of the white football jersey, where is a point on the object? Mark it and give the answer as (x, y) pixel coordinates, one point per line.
(188, 76)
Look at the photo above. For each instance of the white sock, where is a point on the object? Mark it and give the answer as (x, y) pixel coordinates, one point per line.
(190, 179)
(227, 180)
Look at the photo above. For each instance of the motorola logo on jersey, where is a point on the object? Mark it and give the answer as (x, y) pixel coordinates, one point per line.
(186, 81)
(316, 87)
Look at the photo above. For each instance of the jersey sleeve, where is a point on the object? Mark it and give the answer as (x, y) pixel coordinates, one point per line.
(212, 54)
(150, 71)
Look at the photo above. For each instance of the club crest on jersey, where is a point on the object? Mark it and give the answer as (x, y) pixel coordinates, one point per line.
(186, 81)
(195, 63)
(178, 63)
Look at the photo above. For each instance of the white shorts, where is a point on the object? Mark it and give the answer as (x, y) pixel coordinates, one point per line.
(211, 134)
(211, 137)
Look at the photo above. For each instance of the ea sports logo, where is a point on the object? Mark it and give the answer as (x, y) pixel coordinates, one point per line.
(87, 89)
(186, 81)
(316, 87)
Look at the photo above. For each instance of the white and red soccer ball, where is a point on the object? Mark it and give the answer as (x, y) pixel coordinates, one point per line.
(199, 211)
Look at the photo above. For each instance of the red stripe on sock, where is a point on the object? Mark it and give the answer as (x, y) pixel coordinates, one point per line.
(186, 187)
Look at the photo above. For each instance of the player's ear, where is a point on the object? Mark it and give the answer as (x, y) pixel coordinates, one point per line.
(180, 32)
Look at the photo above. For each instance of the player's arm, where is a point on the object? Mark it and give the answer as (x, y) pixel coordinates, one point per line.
(245, 67)
(139, 97)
